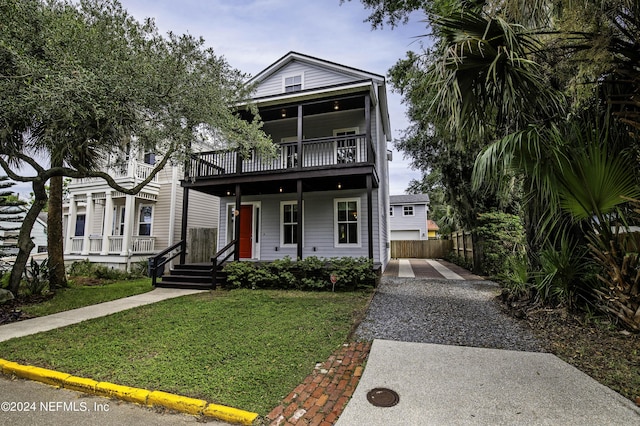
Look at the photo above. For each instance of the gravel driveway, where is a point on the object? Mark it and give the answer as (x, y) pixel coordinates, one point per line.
(448, 312)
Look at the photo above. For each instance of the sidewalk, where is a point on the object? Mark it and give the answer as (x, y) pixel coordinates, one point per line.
(440, 384)
(61, 319)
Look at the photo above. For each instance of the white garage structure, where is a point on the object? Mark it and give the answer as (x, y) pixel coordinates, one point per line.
(408, 217)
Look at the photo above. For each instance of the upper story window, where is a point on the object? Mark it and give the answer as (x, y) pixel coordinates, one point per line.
(150, 158)
(293, 83)
(407, 211)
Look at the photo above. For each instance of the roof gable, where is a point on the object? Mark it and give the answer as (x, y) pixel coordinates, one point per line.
(316, 73)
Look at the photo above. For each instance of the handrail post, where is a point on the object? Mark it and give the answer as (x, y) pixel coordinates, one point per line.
(152, 270)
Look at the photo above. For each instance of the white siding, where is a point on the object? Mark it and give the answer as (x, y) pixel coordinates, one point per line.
(319, 226)
(417, 222)
(313, 77)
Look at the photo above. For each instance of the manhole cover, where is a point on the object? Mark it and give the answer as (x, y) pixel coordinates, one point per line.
(383, 397)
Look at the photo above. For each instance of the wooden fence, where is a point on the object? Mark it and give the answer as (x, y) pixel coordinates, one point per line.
(201, 244)
(462, 244)
(422, 249)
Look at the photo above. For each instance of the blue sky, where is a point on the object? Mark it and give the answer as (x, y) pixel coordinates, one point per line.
(252, 34)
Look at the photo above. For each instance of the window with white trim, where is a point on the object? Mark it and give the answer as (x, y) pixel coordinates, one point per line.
(145, 219)
(293, 83)
(347, 219)
(407, 211)
(288, 223)
(80, 225)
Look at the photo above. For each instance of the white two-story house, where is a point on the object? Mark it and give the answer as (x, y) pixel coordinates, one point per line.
(325, 193)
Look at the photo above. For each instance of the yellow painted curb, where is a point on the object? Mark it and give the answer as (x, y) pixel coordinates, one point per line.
(177, 402)
(126, 393)
(229, 414)
(6, 365)
(80, 384)
(43, 375)
(139, 396)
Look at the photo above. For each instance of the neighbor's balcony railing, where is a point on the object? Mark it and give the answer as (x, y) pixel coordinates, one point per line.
(139, 244)
(339, 151)
(132, 169)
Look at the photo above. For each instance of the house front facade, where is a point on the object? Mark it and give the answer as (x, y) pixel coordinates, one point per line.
(408, 217)
(325, 192)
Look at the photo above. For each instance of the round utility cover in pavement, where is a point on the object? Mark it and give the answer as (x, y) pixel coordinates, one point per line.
(383, 397)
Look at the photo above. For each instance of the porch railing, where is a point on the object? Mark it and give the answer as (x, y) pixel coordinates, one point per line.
(139, 244)
(315, 153)
(218, 260)
(165, 256)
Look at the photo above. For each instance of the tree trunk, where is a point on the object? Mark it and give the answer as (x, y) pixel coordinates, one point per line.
(55, 246)
(25, 245)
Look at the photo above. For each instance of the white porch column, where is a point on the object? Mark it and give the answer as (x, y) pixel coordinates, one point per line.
(107, 225)
(88, 222)
(71, 224)
(129, 219)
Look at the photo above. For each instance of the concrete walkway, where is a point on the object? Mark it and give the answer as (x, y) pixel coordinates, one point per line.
(61, 319)
(456, 385)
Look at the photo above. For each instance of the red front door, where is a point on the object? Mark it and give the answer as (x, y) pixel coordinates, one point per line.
(246, 234)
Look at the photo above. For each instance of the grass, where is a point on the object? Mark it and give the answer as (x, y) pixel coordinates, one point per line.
(77, 296)
(244, 348)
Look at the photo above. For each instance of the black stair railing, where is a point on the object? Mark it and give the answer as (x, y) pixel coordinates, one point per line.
(216, 262)
(159, 260)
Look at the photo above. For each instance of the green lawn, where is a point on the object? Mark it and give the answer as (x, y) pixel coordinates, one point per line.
(244, 348)
(78, 296)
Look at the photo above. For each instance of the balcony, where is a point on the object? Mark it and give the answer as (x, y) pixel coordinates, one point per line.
(310, 154)
(131, 171)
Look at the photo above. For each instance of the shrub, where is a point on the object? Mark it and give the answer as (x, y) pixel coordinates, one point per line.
(459, 260)
(312, 273)
(497, 238)
(353, 273)
(82, 268)
(563, 270)
(85, 268)
(238, 274)
(37, 277)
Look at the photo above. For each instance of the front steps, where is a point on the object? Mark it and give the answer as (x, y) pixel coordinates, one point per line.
(191, 276)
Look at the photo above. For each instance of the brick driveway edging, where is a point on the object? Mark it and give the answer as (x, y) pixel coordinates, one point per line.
(321, 398)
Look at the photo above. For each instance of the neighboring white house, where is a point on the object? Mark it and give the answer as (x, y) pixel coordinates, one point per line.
(408, 217)
(10, 235)
(326, 192)
(115, 229)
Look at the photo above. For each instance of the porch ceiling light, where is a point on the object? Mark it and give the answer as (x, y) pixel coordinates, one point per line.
(280, 189)
(336, 105)
(283, 113)
(339, 185)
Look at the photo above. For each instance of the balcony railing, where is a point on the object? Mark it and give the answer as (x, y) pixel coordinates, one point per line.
(128, 170)
(139, 244)
(342, 151)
